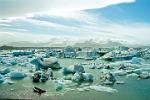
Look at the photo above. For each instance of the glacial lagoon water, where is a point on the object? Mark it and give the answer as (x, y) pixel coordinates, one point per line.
(133, 89)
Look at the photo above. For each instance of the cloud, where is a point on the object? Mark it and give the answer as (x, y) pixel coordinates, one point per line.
(8, 37)
(89, 26)
(12, 8)
(53, 20)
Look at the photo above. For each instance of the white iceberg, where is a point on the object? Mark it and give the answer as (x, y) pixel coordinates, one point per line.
(120, 73)
(103, 89)
(79, 77)
(133, 75)
(46, 63)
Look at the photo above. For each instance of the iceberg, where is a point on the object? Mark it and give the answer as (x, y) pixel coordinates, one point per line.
(17, 75)
(88, 77)
(59, 85)
(36, 77)
(50, 73)
(120, 54)
(45, 63)
(22, 53)
(120, 73)
(9, 61)
(108, 78)
(133, 75)
(1, 78)
(103, 89)
(144, 75)
(42, 75)
(4, 71)
(92, 66)
(69, 52)
(79, 77)
(87, 54)
(136, 60)
(73, 69)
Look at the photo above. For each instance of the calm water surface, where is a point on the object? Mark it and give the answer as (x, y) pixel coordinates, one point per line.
(133, 89)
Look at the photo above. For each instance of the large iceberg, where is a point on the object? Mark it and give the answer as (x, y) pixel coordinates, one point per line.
(45, 63)
(120, 54)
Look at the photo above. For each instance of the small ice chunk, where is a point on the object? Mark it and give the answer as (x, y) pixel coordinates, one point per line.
(77, 77)
(119, 82)
(120, 73)
(1, 78)
(136, 60)
(88, 77)
(133, 75)
(4, 71)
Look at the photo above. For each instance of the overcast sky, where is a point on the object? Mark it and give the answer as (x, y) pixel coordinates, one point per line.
(41, 20)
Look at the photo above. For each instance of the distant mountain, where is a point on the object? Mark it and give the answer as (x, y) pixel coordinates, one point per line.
(51, 43)
(91, 43)
(64, 43)
(4, 47)
(26, 44)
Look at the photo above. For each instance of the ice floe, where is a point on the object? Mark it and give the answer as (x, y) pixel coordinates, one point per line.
(101, 88)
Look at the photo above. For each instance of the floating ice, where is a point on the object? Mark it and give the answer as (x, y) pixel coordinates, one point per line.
(133, 75)
(17, 75)
(1, 78)
(103, 88)
(120, 73)
(59, 85)
(73, 69)
(108, 78)
(46, 63)
(92, 66)
(69, 52)
(144, 75)
(77, 77)
(136, 60)
(4, 71)
(87, 77)
(22, 53)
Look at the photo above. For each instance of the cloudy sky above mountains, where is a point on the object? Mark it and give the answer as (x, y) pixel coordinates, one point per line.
(42, 20)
